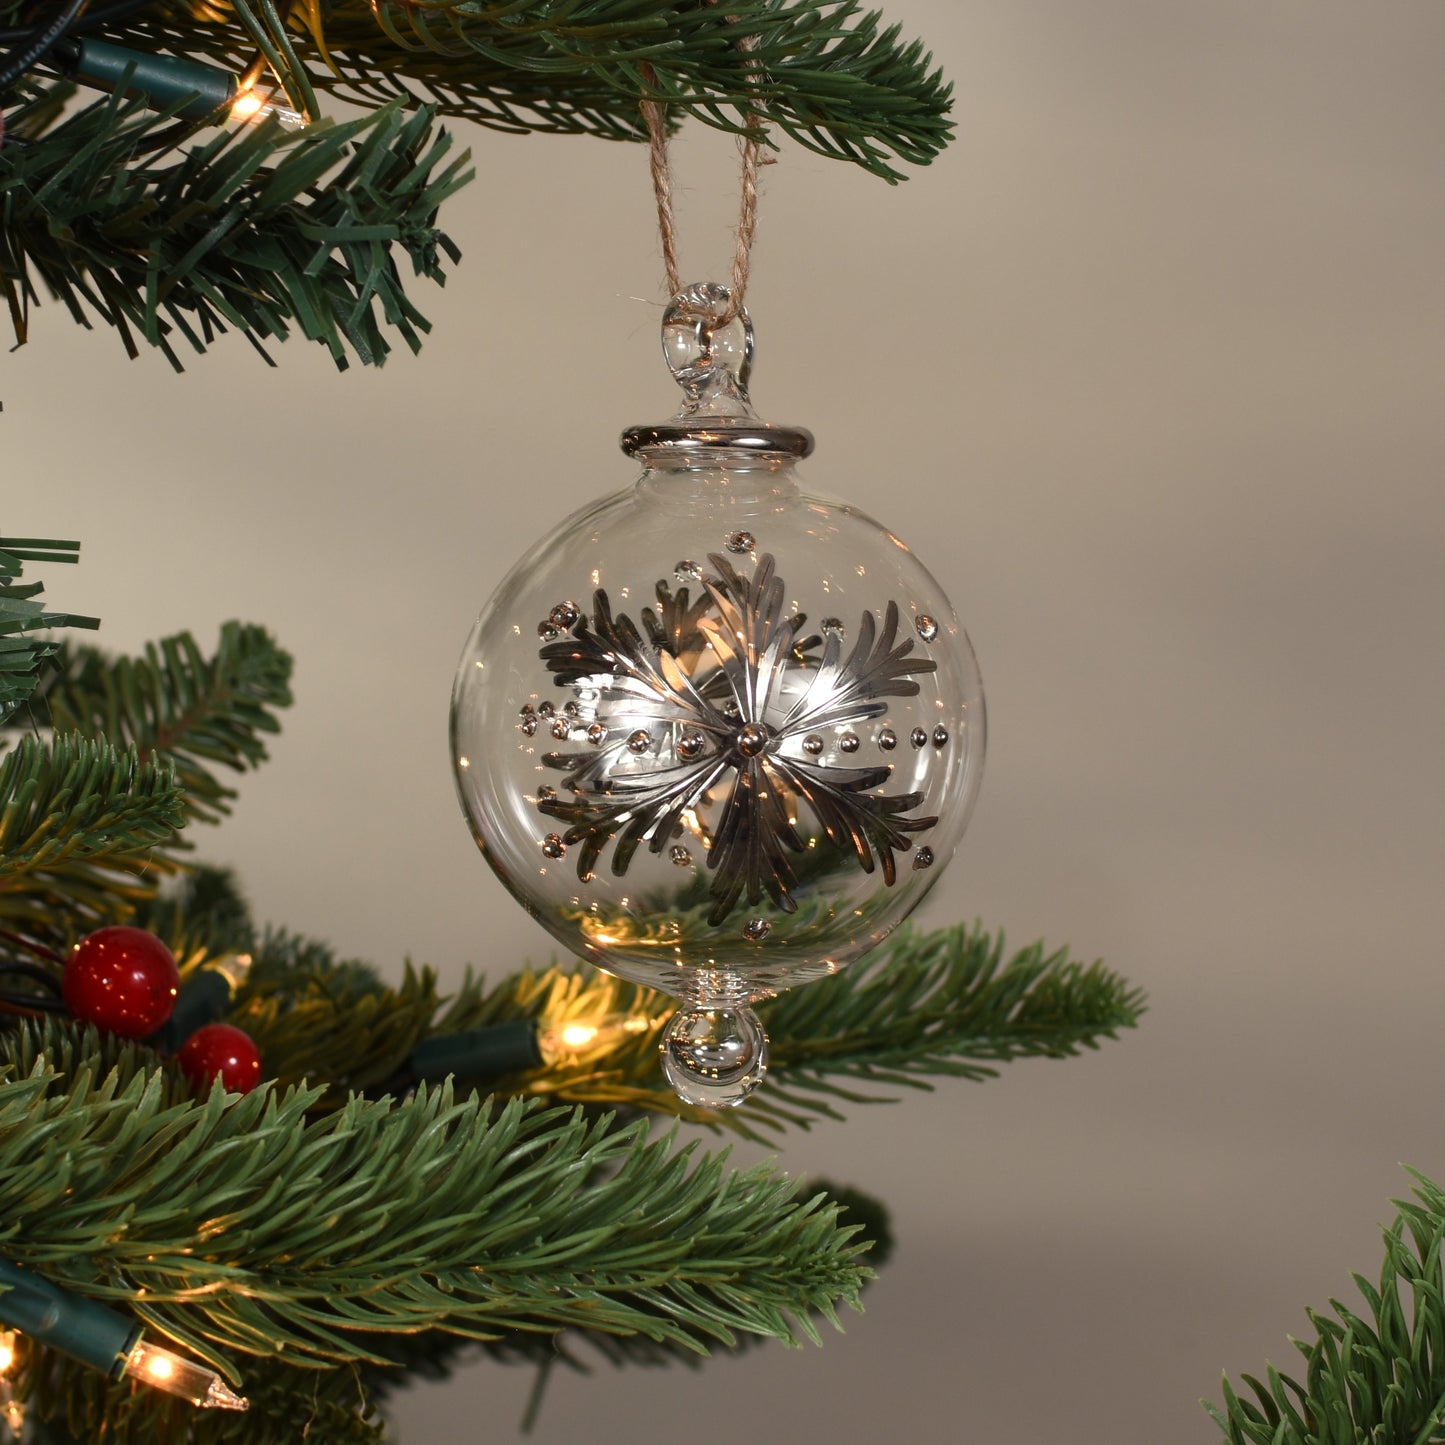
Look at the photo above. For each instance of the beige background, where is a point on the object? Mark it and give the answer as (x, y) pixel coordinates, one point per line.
(1148, 367)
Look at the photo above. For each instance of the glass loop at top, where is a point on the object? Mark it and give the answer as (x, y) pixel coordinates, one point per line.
(710, 355)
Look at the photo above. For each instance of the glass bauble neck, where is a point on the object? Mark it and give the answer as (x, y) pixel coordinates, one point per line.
(710, 354)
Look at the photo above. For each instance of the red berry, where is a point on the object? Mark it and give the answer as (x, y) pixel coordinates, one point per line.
(219, 1051)
(123, 980)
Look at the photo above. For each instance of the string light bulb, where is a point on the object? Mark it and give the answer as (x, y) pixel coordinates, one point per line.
(12, 1412)
(569, 1041)
(152, 1364)
(577, 1036)
(205, 998)
(517, 1046)
(255, 105)
(104, 1339)
(235, 968)
(193, 89)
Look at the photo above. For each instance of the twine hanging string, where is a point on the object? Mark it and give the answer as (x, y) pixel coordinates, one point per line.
(654, 113)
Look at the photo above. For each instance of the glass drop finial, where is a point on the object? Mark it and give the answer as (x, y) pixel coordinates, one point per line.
(714, 1057)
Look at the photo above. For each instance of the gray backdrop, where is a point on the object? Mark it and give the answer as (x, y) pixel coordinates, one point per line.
(1148, 367)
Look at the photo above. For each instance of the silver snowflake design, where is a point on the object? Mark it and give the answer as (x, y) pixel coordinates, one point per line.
(723, 692)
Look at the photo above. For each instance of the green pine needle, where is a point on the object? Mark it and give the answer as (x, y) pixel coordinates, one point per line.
(22, 655)
(1376, 1377)
(829, 75)
(202, 917)
(173, 232)
(237, 1226)
(88, 823)
(334, 1026)
(200, 713)
(950, 1003)
(81, 823)
(76, 799)
(249, 228)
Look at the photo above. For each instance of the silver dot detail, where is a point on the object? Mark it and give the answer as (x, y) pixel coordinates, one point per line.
(596, 733)
(561, 729)
(640, 741)
(812, 745)
(923, 858)
(529, 724)
(687, 572)
(848, 743)
(918, 737)
(833, 626)
(926, 626)
(546, 709)
(756, 929)
(741, 542)
(689, 745)
(564, 614)
(887, 739)
(940, 736)
(680, 856)
(546, 631)
(553, 846)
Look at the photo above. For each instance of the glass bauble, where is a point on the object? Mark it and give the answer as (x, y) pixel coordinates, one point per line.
(717, 733)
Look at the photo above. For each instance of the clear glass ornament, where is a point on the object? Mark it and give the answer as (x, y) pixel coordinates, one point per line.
(718, 734)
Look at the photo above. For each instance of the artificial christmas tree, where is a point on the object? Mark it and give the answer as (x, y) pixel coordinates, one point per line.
(414, 1169)
(304, 1227)
(1256, 143)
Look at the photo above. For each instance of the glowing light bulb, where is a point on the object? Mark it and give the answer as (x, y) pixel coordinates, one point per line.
(567, 1043)
(12, 1412)
(256, 105)
(176, 1375)
(233, 967)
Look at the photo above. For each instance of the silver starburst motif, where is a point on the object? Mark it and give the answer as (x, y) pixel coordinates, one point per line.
(720, 704)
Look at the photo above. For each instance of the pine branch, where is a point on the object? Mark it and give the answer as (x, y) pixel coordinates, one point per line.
(197, 712)
(237, 1225)
(202, 918)
(946, 1003)
(827, 74)
(80, 824)
(338, 1027)
(249, 228)
(76, 799)
(949, 1003)
(1379, 1378)
(437, 1357)
(21, 654)
(334, 1024)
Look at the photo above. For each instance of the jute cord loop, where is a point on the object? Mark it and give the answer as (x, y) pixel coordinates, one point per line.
(655, 114)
